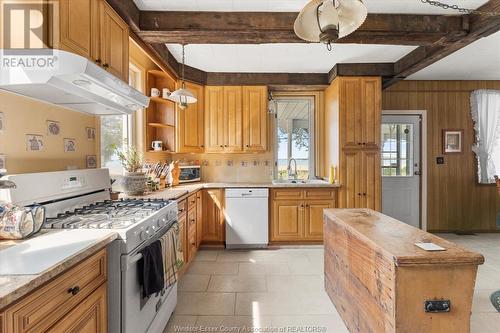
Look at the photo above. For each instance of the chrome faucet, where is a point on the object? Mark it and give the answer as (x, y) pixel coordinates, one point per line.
(289, 168)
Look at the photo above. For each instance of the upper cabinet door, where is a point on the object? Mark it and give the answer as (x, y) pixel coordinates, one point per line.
(114, 42)
(79, 27)
(371, 111)
(232, 119)
(351, 114)
(214, 119)
(254, 118)
(190, 123)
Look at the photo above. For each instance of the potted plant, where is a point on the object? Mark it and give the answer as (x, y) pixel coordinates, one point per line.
(134, 179)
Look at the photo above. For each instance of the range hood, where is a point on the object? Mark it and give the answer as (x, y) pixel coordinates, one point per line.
(68, 80)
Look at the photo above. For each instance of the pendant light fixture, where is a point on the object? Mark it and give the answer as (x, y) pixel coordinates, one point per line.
(325, 21)
(183, 96)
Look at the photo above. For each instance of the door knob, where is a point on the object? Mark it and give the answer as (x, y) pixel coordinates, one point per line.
(417, 173)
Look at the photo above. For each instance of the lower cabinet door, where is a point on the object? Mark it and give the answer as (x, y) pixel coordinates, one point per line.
(90, 316)
(213, 221)
(313, 227)
(287, 220)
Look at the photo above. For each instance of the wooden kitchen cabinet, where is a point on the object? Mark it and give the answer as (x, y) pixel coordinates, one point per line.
(190, 123)
(74, 298)
(199, 218)
(214, 119)
(297, 214)
(90, 316)
(232, 119)
(182, 220)
(213, 229)
(79, 27)
(255, 120)
(114, 37)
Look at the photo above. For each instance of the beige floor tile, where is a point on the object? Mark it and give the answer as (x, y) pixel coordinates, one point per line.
(302, 268)
(263, 268)
(295, 283)
(485, 322)
(487, 278)
(213, 268)
(481, 301)
(193, 282)
(298, 303)
(178, 323)
(226, 324)
(237, 283)
(206, 255)
(205, 303)
(331, 323)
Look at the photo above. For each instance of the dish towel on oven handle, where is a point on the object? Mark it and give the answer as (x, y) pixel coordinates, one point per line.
(151, 269)
(173, 258)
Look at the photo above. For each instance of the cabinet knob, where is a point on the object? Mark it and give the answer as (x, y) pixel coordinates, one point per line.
(364, 194)
(202, 146)
(364, 143)
(98, 61)
(359, 143)
(105, 66)
(247, 146)
(73, 291)
(222, 146)
(359, 194)
(225, 146)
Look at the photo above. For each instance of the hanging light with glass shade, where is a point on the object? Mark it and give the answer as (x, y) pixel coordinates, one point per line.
(325, 21)
(183, 96)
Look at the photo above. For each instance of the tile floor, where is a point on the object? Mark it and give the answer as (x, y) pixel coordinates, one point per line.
(225, 291)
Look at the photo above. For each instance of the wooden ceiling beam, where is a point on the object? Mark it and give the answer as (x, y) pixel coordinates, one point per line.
(277, 27)
(479, 26)
(361, 69)
(282, 79)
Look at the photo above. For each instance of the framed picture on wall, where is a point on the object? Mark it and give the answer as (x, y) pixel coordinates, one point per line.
(91, 162)
(69, 145)
(2, 122)
(453, 141)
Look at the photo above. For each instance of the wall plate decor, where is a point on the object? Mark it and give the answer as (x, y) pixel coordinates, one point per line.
(34, 142)
(90, 133)
(91, 161)
(2, 162)
(2, 122)
(229, 163)
(453, 141)
(244, 163)
(255, 163)
(53, 127)
(69, 145)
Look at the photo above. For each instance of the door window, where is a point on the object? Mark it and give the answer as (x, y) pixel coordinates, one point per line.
(397, 150)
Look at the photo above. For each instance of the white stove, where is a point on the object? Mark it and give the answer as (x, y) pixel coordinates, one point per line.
(80, 199)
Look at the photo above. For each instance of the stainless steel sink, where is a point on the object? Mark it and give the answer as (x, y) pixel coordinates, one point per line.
(300, 182)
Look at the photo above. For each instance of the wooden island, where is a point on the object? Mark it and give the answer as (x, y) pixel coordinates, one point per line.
(380, 281)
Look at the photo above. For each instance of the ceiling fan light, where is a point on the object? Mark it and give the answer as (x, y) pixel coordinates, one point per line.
(352, 14)
(183, 96)
(306, 24)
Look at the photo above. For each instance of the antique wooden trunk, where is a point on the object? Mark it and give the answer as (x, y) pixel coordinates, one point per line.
(380, 281)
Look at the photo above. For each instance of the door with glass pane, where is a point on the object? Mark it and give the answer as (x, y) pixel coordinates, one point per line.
(400, 163)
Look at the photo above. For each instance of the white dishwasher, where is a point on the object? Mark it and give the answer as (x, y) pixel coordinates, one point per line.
(247, 217)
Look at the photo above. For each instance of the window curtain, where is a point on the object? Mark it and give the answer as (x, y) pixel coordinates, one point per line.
(485, 109)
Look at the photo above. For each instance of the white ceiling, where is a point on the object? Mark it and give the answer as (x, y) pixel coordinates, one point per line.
(283, 58)
(374, 6)
(477, 61)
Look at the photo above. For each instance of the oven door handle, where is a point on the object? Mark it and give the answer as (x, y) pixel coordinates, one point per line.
(128, 261)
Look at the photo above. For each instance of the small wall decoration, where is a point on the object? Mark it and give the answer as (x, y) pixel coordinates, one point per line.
(53, 127)
(229, 163)
(69, 145)
(244, 163)
(90, 133)
(91, 162)
(2, 122)
(34, 142)
(452, 141)
(2, 162)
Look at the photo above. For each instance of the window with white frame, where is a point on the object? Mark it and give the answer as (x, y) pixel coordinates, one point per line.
(117, 130)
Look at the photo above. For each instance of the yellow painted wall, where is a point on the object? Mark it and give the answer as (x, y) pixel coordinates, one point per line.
(26, 116)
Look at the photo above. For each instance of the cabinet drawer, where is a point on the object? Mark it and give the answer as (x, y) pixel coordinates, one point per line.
(45, 306)
(317, 193)
(182, 207)
(287, 194)
(191, 201)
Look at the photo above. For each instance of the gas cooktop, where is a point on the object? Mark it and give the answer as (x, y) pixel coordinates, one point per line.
(107, 214)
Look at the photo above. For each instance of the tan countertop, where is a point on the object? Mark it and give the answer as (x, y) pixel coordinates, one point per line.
(15, 286)
(185, 189)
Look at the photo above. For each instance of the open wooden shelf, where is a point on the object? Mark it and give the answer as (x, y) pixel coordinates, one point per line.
(161, 113)
(161, 125)
(161, 100)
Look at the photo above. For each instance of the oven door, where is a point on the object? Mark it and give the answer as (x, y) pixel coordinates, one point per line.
(138, 313)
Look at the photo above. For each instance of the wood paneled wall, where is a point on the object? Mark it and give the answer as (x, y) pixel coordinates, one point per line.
(456, 202)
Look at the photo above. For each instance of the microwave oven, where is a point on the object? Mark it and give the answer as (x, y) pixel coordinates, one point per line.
(189, 173)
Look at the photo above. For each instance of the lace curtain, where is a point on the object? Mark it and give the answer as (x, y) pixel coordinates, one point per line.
(485, 109)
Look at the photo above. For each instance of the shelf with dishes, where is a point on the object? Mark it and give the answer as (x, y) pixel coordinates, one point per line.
(160, 114)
